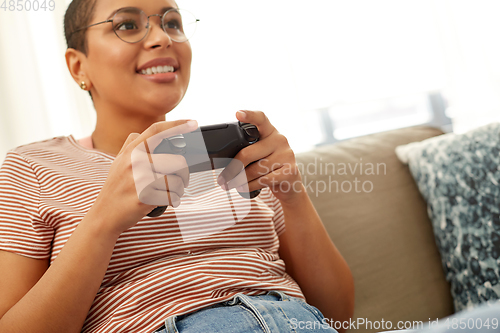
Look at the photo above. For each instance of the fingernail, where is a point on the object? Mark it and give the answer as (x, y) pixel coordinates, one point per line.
(224, 187)
(192, 123)
(242, 114)
(220, 180)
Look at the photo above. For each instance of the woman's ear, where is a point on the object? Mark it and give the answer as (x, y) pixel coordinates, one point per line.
(77, 62)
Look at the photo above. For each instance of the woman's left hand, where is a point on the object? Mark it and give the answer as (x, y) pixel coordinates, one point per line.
(270, 162)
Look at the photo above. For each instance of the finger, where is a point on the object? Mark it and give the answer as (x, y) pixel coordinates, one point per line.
(152, 196)
(154, 134)
(230, 171)
(145, 166)
(131, 137)
(256, 170)
(270, 180)
(238, 180)
(253, 153)
(171, 183)
(166, 164)
(259, 119)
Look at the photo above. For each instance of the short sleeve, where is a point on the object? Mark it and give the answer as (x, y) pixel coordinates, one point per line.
(22, 231)
(275, 205)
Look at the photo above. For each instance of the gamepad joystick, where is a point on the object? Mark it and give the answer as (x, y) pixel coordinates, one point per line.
(214, 149)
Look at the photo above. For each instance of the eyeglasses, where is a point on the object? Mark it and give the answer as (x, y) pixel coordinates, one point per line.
(131, 24)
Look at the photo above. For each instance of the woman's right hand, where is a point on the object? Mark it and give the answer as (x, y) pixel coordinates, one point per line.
(139, 181)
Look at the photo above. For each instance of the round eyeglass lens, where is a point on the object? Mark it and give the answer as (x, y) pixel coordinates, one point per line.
(130, 24)
(179, 24)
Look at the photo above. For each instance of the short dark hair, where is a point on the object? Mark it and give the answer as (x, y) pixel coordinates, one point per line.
(79, 14)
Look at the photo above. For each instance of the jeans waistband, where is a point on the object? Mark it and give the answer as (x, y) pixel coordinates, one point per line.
(272, 295)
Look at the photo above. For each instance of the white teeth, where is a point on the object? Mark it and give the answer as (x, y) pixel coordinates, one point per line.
(157, 70)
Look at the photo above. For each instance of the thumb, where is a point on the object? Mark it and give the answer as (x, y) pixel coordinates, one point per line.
(131, 137)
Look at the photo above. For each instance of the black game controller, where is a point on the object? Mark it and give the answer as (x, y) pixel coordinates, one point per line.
(214, 149)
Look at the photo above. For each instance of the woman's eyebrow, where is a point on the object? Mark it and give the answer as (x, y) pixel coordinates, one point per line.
(162, 11)
(113, 13)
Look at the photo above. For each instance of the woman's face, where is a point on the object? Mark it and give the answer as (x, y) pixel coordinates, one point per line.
(114, 67)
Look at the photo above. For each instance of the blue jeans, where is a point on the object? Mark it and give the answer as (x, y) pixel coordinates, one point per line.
(271, 313)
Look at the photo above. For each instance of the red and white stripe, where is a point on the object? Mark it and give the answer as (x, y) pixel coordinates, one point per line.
(157, 268)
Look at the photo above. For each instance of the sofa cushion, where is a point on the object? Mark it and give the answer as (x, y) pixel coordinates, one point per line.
(459, 177)
(382, 230)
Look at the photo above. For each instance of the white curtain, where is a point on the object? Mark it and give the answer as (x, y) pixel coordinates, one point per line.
(38, 97)
(288, 58)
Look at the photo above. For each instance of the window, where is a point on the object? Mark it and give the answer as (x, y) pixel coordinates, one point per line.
(362, 65)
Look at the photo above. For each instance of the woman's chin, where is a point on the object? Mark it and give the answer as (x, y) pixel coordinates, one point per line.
(162, 101)
(159, 111)
(161, 106)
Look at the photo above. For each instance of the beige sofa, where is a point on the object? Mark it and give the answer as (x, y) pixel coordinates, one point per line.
(382, 229)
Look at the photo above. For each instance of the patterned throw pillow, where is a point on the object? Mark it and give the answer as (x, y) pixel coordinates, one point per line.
(459, 177)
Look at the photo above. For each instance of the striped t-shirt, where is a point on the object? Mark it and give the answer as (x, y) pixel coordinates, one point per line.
(211, 247)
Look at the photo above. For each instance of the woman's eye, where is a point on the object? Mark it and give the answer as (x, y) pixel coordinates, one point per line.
(130, 25)
(173, 24)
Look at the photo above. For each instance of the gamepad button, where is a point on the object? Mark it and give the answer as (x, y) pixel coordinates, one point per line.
(178, 141)
(251, 131)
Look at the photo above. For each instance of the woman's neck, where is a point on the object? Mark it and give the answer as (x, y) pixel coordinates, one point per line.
(111, 130)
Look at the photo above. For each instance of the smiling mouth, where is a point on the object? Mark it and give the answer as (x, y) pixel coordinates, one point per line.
(157, 70)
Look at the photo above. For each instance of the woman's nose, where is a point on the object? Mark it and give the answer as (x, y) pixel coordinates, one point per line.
(156, 35)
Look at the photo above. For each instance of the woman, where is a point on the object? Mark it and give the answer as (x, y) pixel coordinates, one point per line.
(118, 270)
